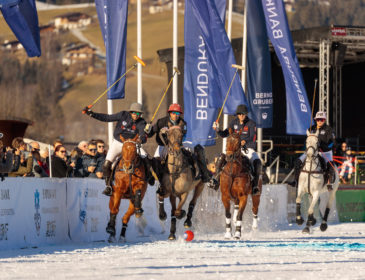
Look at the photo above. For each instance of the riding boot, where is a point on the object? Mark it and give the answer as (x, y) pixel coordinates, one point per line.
(202, 165)
(158, 168)
(107, 171)
(257, 166)
(330, 174)
(190, 160)
(214, 182)
(297, 168)
(147, 166)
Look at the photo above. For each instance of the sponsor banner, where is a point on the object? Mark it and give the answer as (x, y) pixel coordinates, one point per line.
(351, 205)
(298, 111)
(338, 31)
(87, 209)
(199, 82)
(43, 203)
(113, 17)
(12, 226)
(259, 67)
(22, 18)
(217, 50)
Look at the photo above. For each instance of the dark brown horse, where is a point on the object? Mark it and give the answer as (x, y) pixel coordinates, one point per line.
(178, 181)
(130, 183)
(236, 185)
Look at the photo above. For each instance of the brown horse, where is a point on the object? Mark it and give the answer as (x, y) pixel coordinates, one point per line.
(236, 185)
(178, 181)
(130, 183)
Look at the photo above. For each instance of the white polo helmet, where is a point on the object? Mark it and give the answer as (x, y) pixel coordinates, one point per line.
(321, 115)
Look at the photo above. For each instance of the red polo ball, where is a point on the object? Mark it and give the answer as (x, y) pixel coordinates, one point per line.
(188, 235)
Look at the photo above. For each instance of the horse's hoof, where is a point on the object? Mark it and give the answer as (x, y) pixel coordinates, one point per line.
(182, 214)
(111, 230)
(312, 221)
(306, 230)
(108, 191)
(254, 224)
(299, 221)
(162, 216)
(172, 236)
(188, 223)
(237, 235)
(112, 239)
(227, 235)
(323, 226)
(138, 212)
(121, 239)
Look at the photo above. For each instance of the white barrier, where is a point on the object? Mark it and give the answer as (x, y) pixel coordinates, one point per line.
(41, 211)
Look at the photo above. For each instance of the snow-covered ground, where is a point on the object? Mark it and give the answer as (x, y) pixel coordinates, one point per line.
(338, 253)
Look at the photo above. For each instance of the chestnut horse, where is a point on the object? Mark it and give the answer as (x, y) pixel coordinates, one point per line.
(178, 181)
(236, 185)
(129, 183)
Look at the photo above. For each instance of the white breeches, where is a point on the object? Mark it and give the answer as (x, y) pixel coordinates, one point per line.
(161, 152)
(116, 148)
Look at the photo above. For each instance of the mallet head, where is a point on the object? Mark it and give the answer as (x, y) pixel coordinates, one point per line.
(140, 61)
(238, 66)
(177, 70)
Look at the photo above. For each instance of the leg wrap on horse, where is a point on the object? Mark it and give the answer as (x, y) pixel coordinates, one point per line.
(257, 166)
(111, 225)
(221, 162)
(107, 171)
(138, 199)
(202, 165)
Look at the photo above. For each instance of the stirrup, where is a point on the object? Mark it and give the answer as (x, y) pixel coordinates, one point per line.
(255, 190)
(213, 184)
(108, 191)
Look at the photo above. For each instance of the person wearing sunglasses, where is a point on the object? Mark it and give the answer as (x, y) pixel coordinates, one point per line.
(326, 139)
(92, 168)
(60, 169)
(246, 127)
(129, 124)
(174, 118)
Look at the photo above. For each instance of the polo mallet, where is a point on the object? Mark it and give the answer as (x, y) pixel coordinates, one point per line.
(121, 77)
(229, 89)
(176, 71)
(314, 97)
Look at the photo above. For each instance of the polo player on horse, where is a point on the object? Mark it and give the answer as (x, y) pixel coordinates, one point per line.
(160, 128)
(242, 123)
(129, 124)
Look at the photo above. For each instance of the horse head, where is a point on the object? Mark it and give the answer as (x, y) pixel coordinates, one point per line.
(233, 145)
(129, 152)
(312, 144)
(174, 139)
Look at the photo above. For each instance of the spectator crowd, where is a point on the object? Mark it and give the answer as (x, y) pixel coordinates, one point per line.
(28, 160)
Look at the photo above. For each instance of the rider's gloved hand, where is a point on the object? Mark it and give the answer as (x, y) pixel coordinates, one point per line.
(164, 130)
(148, 128)
(216, 126)
(87, 111)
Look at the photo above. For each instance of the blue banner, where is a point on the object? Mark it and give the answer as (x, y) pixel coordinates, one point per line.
(113, 17)
(199, 81)
(259, 85)
(218, 51)
(22, 19)
(298, 112)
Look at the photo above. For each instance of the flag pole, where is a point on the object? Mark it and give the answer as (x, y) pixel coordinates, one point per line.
(175, 98)
(229, 34)
(139, 52)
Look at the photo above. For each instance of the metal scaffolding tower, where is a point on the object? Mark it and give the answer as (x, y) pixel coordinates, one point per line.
(324, 76)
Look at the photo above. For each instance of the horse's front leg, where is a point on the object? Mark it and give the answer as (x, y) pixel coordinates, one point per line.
(179, 212)
(114, 203)
(241, 208)
(331, 198)
(311, 220)
(138, 196)
(197, 192)
(172, 235)
(300, 192)
(227, 206)
(125, 220)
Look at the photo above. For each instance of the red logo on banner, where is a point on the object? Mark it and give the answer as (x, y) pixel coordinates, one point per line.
(338, 31)
(245, 128)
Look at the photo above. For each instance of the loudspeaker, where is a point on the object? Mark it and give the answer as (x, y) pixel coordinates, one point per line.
(339, 52)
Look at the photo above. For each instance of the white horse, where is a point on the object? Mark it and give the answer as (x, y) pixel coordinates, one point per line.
(311, 181)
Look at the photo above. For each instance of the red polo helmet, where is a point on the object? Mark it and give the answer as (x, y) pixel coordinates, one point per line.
(175, 108)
